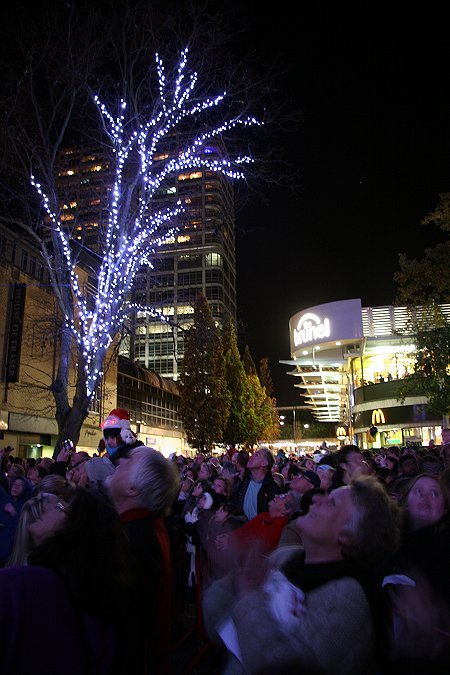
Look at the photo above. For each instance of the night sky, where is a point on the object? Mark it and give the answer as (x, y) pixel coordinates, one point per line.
(371, 154)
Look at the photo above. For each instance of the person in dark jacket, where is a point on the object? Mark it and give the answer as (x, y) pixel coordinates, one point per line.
(76, 585)
(256, 491)
(143, 488)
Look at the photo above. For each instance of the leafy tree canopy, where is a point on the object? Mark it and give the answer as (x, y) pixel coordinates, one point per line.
(205, 399)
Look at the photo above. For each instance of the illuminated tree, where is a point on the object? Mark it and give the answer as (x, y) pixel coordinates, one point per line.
(136, 228)
(133, 233)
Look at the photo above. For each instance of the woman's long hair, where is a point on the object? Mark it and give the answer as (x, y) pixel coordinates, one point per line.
(91, 555)
(32, 511)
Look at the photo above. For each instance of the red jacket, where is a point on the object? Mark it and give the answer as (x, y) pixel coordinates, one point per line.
(262, 529)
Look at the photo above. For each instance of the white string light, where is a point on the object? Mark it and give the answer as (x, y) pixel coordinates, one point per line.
(132, 238)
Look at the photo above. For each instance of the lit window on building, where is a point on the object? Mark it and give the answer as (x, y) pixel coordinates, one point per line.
(214, 260)
(190, 176)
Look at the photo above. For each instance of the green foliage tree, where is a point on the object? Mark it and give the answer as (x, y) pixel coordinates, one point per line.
(271, 419)
(424, 284)
(270, 413)
(427, 279)
(235, 428)
(265, 377)
(205, 399)
(255, 397)
(431, 376)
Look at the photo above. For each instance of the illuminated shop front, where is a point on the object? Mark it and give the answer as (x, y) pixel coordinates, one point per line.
(348, 363)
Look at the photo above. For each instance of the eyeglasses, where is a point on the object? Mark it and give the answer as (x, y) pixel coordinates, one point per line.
(62, 507)
(283, 497)
(301, 475)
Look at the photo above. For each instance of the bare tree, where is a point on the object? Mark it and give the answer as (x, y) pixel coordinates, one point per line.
(56, 83)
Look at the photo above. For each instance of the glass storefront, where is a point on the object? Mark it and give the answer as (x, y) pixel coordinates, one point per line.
(386, 364)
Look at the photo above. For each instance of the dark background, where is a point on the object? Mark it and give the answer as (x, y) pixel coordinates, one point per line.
(367, 157)
(371, 155)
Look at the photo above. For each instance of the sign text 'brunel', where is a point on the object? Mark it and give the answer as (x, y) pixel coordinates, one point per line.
(310, 328)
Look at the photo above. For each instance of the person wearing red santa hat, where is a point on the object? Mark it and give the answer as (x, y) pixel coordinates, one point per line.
(118, 436)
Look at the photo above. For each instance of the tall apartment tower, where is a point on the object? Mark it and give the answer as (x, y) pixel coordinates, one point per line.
(200, 257)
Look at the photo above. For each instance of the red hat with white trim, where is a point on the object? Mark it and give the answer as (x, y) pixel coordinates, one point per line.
(118, 419)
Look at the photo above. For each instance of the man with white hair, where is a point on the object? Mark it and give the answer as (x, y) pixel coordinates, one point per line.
(318, 609)
(143, 489)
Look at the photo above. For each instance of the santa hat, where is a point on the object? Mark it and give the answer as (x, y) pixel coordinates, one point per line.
(118, 419)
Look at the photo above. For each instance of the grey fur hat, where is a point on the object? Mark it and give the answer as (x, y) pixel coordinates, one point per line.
(99, 468)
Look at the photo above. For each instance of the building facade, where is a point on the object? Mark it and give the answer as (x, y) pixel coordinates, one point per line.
(153, 403)
(29, 351)
(200, 257)
(29, 345)
(349, 362)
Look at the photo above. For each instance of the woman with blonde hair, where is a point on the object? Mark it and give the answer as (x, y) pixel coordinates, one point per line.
(32, 510)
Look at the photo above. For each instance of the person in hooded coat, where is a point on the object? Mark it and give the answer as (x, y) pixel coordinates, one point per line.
(118, 436)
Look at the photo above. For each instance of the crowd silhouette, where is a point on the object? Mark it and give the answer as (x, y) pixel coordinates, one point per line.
(338, 562)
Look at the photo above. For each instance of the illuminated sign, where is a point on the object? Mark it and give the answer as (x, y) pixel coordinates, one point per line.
(310, 328)
(331, 322)
(378, 417)
(341, 432)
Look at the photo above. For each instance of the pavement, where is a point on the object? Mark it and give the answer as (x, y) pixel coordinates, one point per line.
(192, 653)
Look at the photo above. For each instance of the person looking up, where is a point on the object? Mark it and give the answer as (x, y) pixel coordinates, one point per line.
(317, 608)
(32, 511)
(421, 601)
(222, 486)
(76, 584)
(303, 480)
(325, 473)
(263, 530)
(350, 465)
(143, 489)
(254, 493)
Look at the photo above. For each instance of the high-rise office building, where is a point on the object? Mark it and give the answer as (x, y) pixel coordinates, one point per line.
(85, 180)
(199, 257)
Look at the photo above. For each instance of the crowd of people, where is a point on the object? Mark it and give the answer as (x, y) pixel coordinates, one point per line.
(332, 563)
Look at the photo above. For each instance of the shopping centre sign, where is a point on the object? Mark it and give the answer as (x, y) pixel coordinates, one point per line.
(332, 321)
(310, 329)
